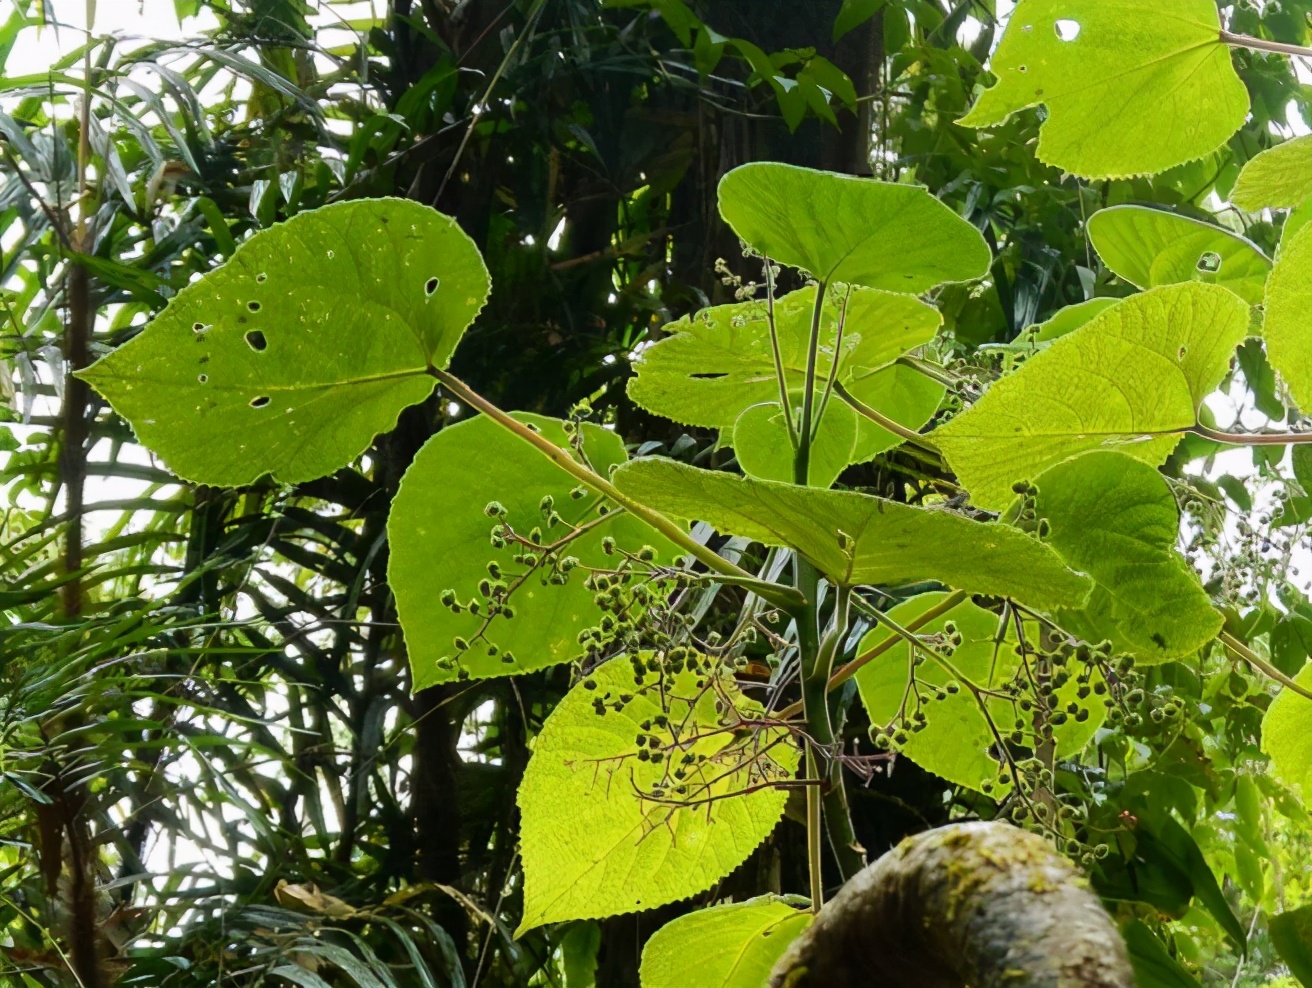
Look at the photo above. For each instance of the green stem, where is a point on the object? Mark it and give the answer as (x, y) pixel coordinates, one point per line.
(1261, 664)
(802, 464)
(778, 355)
(779, 596)
(883, 421)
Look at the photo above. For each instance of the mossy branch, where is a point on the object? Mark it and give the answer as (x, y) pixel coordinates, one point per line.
(978, 904)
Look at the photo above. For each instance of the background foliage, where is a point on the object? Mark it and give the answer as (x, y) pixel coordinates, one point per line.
(213, 765)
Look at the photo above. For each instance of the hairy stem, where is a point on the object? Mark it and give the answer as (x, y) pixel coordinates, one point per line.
(780, 375)
(979, 904)
(1261, 44)
(1261, 664)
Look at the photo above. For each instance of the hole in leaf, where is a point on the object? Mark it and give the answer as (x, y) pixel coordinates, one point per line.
(1182, 352)
(260, 401)
(1022, 69)
(708, 377)
(430, 286)
(332, 254)
(198, 327)
(203, 378)
(253, 306)
(1067, 30)
(261, 278)
(256, 341)
(1209, 262)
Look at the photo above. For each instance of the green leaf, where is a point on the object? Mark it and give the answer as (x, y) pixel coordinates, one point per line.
(579, 949)
(1114, 517)
(1261, 381)
(1072, 318)
(310, 341)
(1287, 734)
(729, 946)
(1278, 178)
(851, 230)
(760, 439)
(1151, 247)
(1291, 933)
(1132, 378)
(1154, 967)
(605, 832)
(719, 362)
(858, 539)
(438, 531)
(1288, 301)
(1129, 91)
(853, 14)
(956, 740)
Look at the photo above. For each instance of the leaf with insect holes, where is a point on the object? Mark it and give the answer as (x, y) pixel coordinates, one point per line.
(1132, 87)
(734, 945)
(607, 830)
(849, 230)
(1151, 247)
(858, 539)
(439, 534)
(1131, 378)
(1114, 517)
(719, 362)
(310, 341)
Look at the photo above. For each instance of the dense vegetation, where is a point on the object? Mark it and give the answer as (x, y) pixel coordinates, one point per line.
(247, 734)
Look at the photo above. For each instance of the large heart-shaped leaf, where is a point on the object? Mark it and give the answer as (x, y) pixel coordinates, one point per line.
(643, 792)
(439, 535)
(1278, 178)
(1151, 247)
(1131, 378)
(852, 230)
(1288, 325)
(858, 539)
(730, 946)
(1114, 517)
(764, 450)
(290, 358)
(1132, 87)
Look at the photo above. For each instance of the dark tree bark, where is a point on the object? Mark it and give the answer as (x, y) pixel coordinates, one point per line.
(978, 904)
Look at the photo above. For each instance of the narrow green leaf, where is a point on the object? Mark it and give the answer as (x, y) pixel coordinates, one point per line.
(730, 946)
(1133, 378)
(853, 14)
(1278, 178)
(439, 534)
(1154, 967)
(1129, 91)
(1115, 518)
(1291, 933)
(310, 341)
(1287, 734)
(1288, 302)
(851, 230)
(1150, 247)
(858, 539)
(605, 832)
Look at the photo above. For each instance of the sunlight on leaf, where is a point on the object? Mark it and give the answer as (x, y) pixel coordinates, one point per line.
(1131, 88)
(1289, 315)
(1286, 736)
(851, 230)
(1278, 178)
(764, 451)
(729, 946)
(439, 533)
(608, 831)
(859, 539)
(310, 341)
(1131, 378)
(1151, 247)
